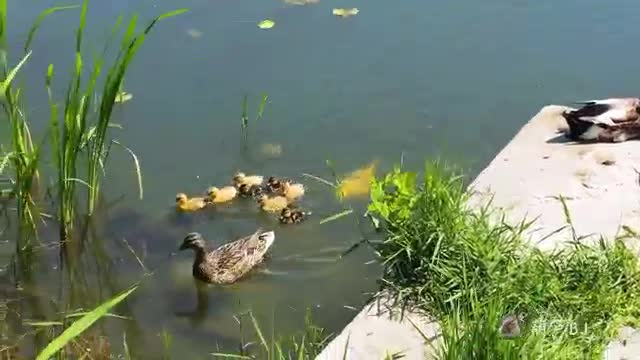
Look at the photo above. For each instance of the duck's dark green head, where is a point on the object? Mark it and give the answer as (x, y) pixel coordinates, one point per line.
(192, 241)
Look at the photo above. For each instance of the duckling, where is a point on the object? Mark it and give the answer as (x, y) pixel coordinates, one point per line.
(229, 262)
(185, 203)
(292, 216)
(240, 178)
(275, 185)
(272, 204)
(246, 190)
(292, 191)
(222, 195)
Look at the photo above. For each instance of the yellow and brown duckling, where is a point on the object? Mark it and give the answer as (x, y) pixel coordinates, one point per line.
(292, 191)
(276, 185)
(229, 262)
(221, 195)
(292, 216)
(241, 179)
(184, 203)
(246, 190)
(273, 204)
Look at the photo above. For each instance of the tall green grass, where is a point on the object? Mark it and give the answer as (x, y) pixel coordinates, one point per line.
(24, 154)
(77, 130)
(469, 268)
(305, 346)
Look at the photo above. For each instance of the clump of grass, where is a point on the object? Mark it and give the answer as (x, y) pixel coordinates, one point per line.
(301, 347)
(24, 154)
(469, 269)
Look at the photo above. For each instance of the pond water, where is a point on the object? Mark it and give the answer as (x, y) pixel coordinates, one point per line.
(408, 80)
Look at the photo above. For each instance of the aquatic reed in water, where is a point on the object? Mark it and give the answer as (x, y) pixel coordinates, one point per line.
(79, 130)
(24, 155)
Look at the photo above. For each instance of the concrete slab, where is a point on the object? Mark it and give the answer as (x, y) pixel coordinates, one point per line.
(601, 186)
(380, 330)
(598, 181)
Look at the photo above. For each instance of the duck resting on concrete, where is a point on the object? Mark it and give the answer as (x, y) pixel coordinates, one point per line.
(607, 120)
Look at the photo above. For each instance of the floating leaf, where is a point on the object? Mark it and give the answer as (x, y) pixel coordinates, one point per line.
(194, 33)
(266, 24)
(123, 96)
(357, 183)
(271, 150)
(342, 12)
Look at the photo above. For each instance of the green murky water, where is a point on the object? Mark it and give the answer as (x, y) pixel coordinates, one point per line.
(400, 80)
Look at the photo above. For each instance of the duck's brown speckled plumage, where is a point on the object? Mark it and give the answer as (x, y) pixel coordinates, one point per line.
(229, 262)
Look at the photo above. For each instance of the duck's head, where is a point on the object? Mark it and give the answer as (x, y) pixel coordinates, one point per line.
(261, 198)
(244, 188)
(181, 198)
(192, 241)
(239, 176)
(268, 237)
(286, 213)
(212, 191)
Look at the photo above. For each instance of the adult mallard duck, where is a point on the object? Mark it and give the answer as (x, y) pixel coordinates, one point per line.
(607, 120)
(229, 262)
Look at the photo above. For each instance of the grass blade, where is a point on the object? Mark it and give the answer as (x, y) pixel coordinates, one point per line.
(40, 18)
(263, 101)
(336, 216)
(4, 85)
(231, 356)
(81, 325)
(137, 166)
(259, 332)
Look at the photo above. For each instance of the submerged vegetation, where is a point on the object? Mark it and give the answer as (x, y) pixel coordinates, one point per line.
(471, 270)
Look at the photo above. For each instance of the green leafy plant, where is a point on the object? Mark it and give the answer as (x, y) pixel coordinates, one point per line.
(469, 268)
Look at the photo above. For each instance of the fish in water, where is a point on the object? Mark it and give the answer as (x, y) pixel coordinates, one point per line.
(608, 120)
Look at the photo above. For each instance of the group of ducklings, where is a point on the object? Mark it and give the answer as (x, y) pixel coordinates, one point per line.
(276, 195)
